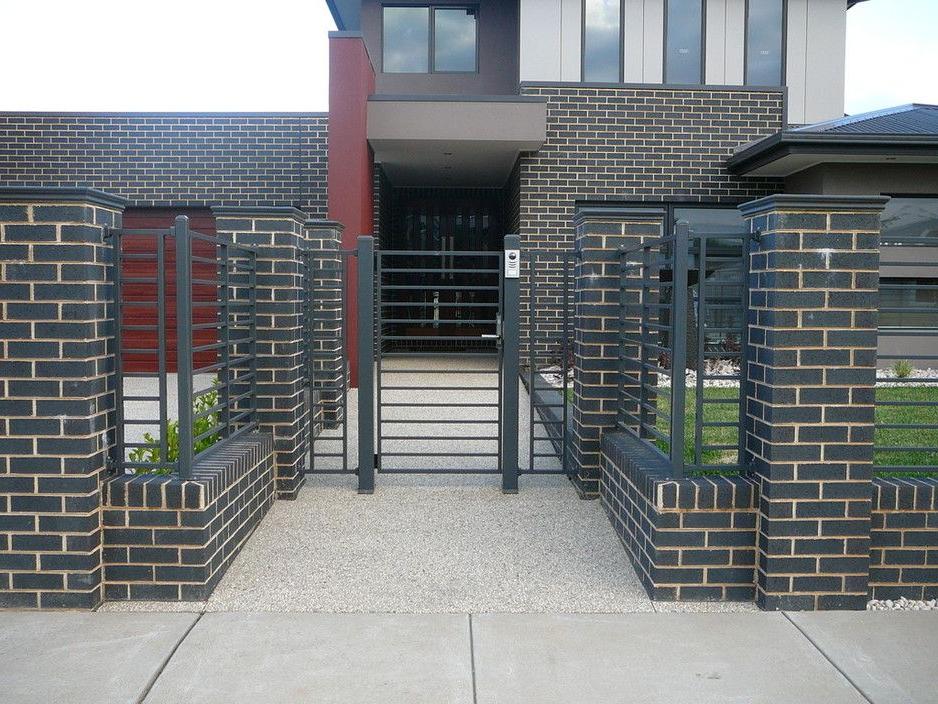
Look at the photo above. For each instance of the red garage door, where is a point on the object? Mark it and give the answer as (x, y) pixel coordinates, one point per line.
(140, 298)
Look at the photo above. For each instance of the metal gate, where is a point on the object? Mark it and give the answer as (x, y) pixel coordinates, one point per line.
(446, 345)
(439, 359)
(325, 359)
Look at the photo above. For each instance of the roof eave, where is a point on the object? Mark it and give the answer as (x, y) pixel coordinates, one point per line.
(785, 143)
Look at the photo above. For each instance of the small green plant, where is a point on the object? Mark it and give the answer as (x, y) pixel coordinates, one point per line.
(902, 369)
(201, 424)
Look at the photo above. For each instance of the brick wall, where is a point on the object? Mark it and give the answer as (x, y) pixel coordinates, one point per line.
(637, 144)
(172, 539)
(54, 394)
(904, 538)
(814, 276)
(172, 159)
(689, 539)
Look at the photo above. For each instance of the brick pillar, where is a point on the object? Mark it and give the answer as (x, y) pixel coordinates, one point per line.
(277, 232)
(811, 376)
(55, 393)
(600, 234)
(328, 279)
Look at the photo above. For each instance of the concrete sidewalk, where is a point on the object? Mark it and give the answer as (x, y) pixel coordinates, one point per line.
(834, 658)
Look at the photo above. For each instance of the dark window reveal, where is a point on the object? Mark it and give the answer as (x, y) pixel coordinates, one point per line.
(684, 42)
(764, 24)
(602, 41)
(409, 33)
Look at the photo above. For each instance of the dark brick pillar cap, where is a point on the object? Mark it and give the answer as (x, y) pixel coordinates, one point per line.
(52, 194)
(242, 211)
(796, 201)
(323, 225)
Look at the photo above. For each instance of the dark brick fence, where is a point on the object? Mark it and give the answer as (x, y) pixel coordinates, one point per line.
(805, 525)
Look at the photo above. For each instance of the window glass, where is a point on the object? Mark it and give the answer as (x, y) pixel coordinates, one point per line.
(712, 220)
(454, 39)
(602, 45)
(918, 299)
(406, 40)
(906, 220)
(684, 41)
(764, 25)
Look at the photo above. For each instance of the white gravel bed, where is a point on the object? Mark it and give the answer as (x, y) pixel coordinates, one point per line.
(902, 604)
(883, 376)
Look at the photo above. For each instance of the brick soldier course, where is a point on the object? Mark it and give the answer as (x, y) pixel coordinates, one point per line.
(814, 279)
(56, 394)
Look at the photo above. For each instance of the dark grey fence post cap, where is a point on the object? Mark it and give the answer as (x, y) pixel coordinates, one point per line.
(816, 203)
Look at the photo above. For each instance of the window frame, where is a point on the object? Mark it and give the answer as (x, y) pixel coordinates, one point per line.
(621, 78)
(431, 37)
(784, 49)
(908, 196)
(703, 46)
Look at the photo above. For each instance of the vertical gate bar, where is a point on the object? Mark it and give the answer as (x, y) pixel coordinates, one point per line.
(119, 452)
(161, 345)
(643, 378)
(620, 361)
(679, 255)
(701, 350)
(366, 365)
(224, 391)
(377, 334)
(309, 330)
(510, 351)
(184, 342)
(252, 339)
(343, 351)
(567, 263)
(532, 363)
(746, 246)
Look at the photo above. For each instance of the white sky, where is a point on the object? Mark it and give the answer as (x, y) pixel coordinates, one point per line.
(273, 55)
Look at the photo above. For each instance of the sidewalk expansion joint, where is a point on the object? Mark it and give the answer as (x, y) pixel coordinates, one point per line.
(169, 656)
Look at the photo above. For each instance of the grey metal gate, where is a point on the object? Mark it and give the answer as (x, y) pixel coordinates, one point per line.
(445, 351)
(325, 359)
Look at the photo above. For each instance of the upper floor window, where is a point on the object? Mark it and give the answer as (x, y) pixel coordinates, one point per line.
(683, 58)
(421, 39)
(602, 41)
(765, 22)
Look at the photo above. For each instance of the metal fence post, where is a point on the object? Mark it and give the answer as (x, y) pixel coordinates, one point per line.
(679, 257)
(510, 351)
(366, 361)
(184, 343)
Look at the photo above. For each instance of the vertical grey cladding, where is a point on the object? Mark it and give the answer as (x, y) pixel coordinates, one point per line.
(173, 159)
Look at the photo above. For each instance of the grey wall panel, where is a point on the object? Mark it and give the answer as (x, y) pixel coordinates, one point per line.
(826, 59)
(541, 40)
(796, 66)
(716, 42)
(570, 39)
(634, 41)
(735, 47)
(866, 179)
(653, 68)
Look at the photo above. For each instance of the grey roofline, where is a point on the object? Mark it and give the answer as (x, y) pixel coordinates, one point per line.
(782, 144)
(337, 18)
(456, 98)
(861, 117)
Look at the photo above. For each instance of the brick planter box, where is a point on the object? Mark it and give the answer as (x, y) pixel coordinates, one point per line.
(689, 539)
(904, 539)
(172, 539)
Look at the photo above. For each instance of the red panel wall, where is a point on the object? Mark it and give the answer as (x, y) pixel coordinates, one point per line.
(351, 170)
(145, 293)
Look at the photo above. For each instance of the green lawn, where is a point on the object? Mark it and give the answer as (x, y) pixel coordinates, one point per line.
(714, 411)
